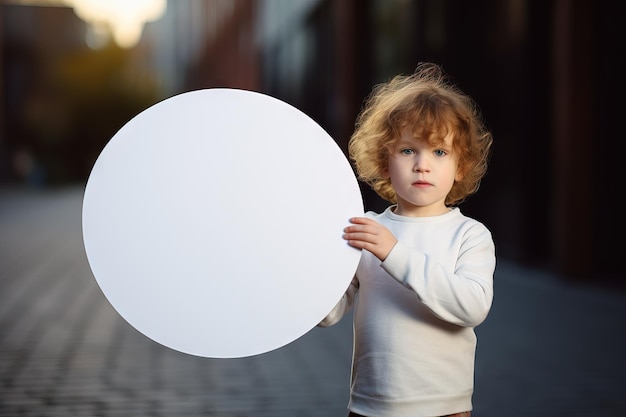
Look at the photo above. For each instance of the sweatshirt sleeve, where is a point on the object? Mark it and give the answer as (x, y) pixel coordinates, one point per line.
(343, 306)
(462, 296)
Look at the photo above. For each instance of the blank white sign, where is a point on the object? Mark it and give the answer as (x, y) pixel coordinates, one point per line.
(212, 222)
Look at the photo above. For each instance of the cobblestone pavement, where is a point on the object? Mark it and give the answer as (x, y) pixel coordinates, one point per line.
(547, 348)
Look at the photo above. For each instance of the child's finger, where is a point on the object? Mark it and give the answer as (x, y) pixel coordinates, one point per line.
(361, 220)
(357, 236)
(360, 229)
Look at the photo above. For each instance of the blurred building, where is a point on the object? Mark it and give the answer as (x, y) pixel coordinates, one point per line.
(62, 100)
(548, 77)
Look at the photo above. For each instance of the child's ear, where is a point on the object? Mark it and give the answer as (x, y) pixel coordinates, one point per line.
(459, 175)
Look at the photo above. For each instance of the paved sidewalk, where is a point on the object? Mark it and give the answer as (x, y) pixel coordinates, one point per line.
(550, 349)
(547, 349)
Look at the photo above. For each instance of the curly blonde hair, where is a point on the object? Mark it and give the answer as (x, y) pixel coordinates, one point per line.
(432, 108)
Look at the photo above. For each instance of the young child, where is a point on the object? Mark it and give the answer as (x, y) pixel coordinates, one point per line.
(425, 278)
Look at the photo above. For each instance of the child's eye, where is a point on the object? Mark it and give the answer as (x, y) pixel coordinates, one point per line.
(440, 152)
(407, 151)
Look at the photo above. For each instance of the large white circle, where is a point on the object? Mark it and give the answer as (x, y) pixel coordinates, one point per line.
(212, 222)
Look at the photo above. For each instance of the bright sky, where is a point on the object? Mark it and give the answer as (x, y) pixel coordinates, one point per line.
(122, 18)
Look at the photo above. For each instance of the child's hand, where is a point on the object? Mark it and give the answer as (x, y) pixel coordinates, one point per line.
(370, 235)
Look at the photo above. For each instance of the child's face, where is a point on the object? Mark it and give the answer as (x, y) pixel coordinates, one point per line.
(422, 175)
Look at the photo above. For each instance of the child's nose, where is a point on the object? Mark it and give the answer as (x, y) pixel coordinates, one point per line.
(420, 164)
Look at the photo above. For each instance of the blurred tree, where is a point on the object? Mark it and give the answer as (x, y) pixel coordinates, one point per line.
(84, 97)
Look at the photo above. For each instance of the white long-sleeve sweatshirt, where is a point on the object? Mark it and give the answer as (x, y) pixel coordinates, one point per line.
(414, 340)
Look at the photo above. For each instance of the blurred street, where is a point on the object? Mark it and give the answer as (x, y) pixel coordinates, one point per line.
(548, 348)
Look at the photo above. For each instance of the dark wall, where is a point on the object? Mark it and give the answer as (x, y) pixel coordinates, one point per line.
(548, 77)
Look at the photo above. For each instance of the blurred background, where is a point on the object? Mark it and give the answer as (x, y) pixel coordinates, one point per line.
(548, 76)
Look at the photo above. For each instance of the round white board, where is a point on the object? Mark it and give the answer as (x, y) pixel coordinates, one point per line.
(212, 222)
